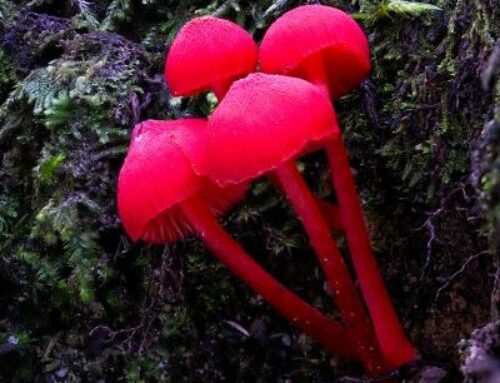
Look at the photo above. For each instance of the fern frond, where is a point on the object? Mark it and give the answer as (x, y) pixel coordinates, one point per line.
(45, 270)
(8, 213)
(38, 89)
(58, 110)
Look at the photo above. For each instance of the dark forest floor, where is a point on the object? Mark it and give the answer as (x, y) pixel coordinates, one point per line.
(80, 303)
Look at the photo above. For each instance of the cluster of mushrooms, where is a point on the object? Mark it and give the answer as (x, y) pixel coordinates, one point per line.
(181, 175)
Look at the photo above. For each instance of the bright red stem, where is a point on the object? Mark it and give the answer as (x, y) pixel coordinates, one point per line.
(325, 330)
(337, 274)
(314, 71)
(221, 87)
(330, 212)
(393, 342)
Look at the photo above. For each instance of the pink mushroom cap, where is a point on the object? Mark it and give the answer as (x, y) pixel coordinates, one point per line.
(312, 34)
(208, 50)
(163, 168)
(263, 121)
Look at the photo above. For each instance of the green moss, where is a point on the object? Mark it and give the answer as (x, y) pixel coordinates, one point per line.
(70, 93)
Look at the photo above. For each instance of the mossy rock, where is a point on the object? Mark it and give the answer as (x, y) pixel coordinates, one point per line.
(82, 303)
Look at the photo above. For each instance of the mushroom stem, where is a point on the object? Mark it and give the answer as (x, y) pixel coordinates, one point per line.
(330, 212)
(393, 342)
(221, 87)
(326, 331)
(337, 274)
(313, 69)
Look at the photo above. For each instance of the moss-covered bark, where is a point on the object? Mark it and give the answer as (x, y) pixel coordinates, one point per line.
(81, 303)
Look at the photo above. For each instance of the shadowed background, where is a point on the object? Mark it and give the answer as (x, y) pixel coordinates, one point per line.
(80, 303)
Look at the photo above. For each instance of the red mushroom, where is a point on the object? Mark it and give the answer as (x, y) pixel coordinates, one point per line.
(330, 212)
(327, 47)
(319, 43)
(163, 197)
(209, 54)
(262, 124)
(144, 220)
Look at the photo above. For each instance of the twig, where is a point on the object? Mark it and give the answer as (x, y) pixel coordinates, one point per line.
(431, 228)
(238, 327)
(453, 276)
(429, 224)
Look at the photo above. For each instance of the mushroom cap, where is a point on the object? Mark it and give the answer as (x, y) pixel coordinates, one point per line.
(263, 121)
(310, 33)
(159, 172)
(208, 50)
